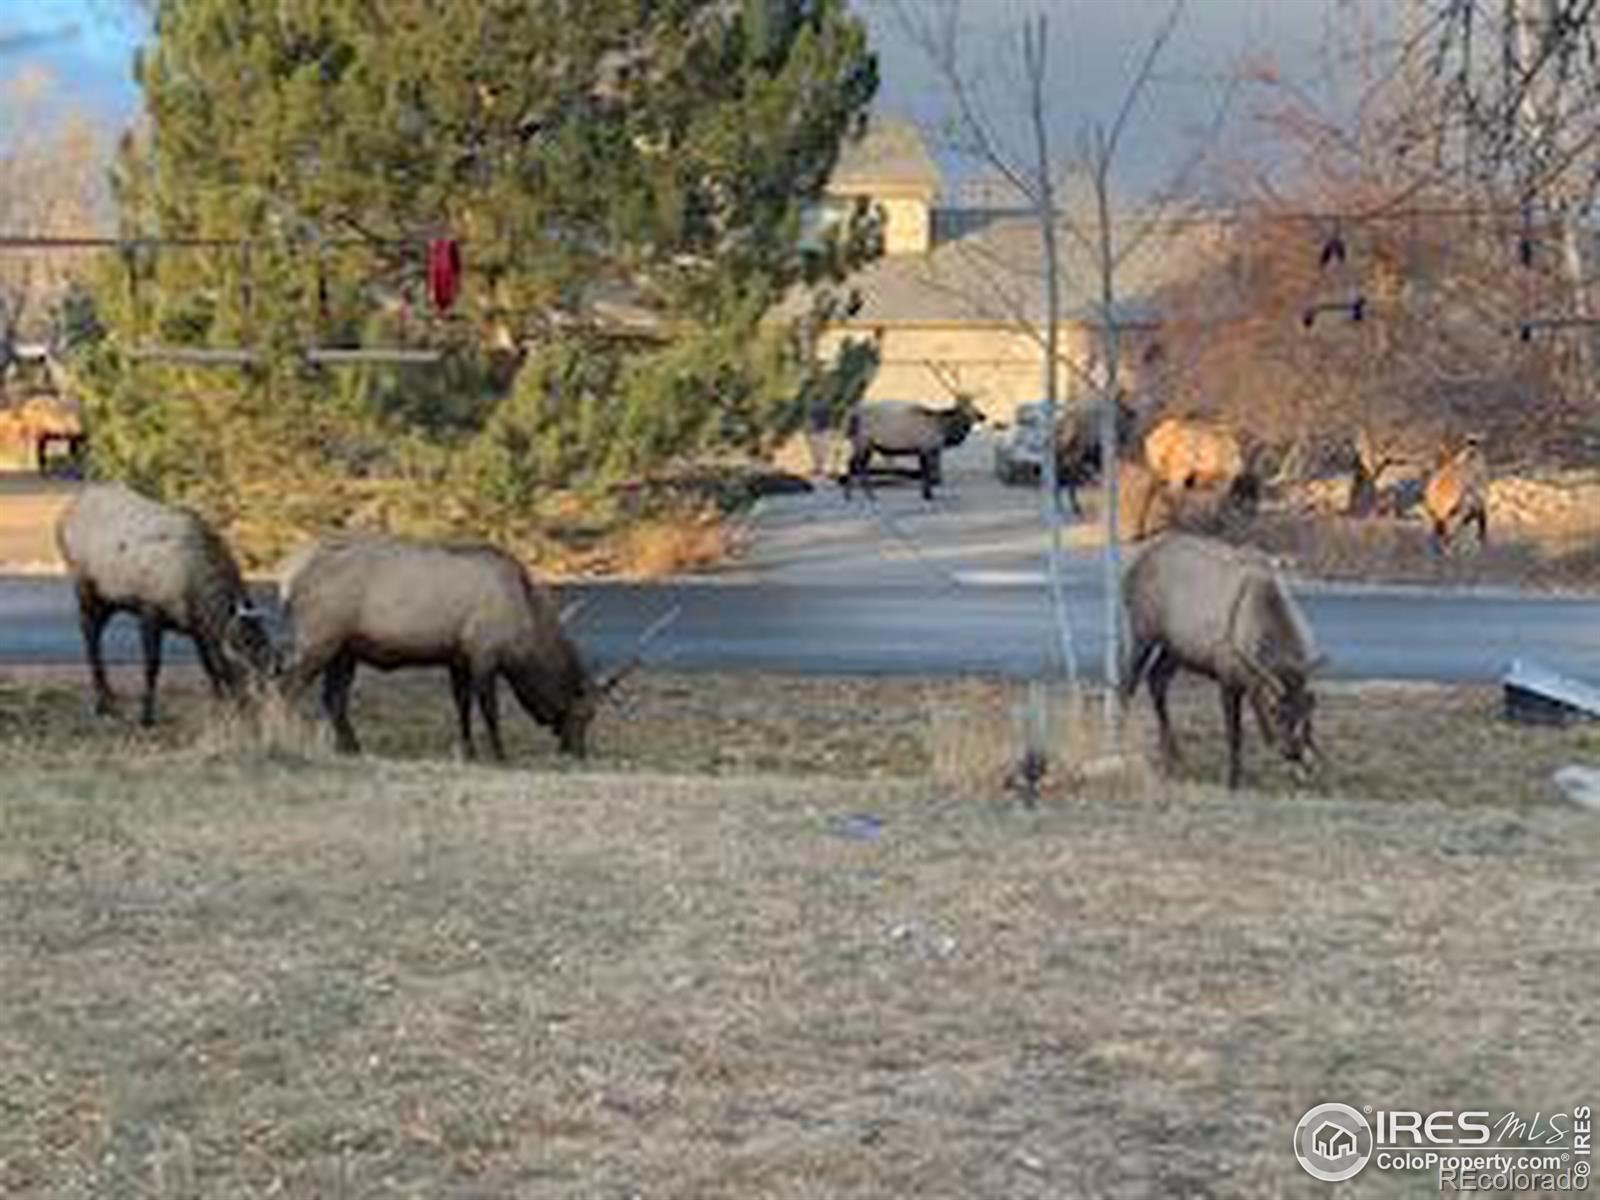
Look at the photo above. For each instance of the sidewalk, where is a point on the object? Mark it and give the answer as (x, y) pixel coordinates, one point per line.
(29, 507)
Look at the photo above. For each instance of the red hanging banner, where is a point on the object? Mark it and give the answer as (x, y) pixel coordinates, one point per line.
(444, 272)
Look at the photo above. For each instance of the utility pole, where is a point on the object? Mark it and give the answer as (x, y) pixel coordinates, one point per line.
(1111, 342)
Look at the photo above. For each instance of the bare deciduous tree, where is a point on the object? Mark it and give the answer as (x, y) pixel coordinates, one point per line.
(1095, 238)
(51, 185)
(1366, 297)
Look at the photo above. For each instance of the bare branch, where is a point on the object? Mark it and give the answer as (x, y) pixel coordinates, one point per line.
(1157, 211)
(1141, 79)
(939, 46)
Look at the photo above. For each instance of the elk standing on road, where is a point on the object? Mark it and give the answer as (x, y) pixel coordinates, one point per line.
(897, 427)
(1221, 611)
(1078, 456)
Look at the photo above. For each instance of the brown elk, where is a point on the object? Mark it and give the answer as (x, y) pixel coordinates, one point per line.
(1457, 494)
(1203, 465)
(1222, 612)
(128, 553)
(1145, 507)
(1078, 452)
(468, 607)
(1187, 452)
(896, 427)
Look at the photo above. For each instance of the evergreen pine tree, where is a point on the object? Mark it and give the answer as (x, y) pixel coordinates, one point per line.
(661, 151)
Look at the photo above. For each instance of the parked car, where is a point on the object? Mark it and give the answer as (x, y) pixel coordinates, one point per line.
(1019, 451)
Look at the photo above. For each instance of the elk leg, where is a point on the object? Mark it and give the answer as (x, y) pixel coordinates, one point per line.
(927, 461)
(1482, 519)
(214, 664)
(856, 472)
(1139, 657)
(150, 637)
(1233, 720)
(1161, 673)
(337, 679)
(305, 664)
(1069, 477)
(489, 706)
(93, 613)
(461, 688)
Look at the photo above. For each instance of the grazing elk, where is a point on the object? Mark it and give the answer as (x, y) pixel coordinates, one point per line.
(1221, 611)
(468, 607)
(1457, 494)
(128, 553)
(896, 427)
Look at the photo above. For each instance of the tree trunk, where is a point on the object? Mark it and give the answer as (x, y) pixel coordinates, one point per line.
(1111, 336)
(1049, 476)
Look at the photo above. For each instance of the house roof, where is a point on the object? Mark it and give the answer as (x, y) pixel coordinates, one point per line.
(889, 155)
(992, 273)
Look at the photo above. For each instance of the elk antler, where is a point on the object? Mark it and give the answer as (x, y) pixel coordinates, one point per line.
(629, 665)
(569, 611)
(1267, 679)
(946, 378)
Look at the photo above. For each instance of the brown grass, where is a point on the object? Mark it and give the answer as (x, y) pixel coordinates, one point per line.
(237, 968)
(1387, 743)
(655, 549)
(1390, 551)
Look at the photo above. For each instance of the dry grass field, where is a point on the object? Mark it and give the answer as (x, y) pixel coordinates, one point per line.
(778, 938)
(1328, 547)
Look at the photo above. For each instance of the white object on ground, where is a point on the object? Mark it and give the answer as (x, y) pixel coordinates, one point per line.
(1579, 784)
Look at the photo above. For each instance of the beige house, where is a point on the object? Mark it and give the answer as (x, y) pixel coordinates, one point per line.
(957, 301)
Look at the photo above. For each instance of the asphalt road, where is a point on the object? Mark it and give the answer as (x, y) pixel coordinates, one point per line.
(905, 587)
(901, 629)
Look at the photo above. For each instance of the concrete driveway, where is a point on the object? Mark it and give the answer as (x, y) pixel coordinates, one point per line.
(29, 507)
(975, 532)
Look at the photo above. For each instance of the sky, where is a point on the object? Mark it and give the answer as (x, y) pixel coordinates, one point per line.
(88, 66)
(1093, 48)
(1093, 52)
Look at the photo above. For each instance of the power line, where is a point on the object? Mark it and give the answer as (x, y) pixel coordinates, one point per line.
(103, 242)
(1378, 212)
